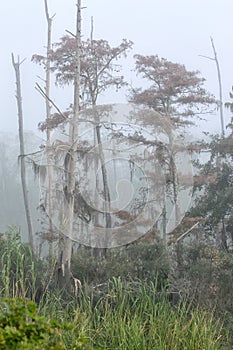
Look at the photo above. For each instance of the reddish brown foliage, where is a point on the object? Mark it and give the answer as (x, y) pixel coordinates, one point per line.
(55, 120)
(98, 70)
(174, 91)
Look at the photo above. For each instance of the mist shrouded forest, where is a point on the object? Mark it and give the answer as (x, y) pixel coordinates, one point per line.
(116, 225)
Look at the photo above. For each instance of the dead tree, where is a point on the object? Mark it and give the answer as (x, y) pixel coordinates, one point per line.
(48, 131)
(215, 59)
(65, 247)
(16, 66)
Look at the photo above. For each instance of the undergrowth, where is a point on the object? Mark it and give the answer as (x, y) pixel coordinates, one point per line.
(127, 314)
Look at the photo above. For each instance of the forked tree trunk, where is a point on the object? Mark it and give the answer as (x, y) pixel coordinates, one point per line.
(64, 272)
(16, 66)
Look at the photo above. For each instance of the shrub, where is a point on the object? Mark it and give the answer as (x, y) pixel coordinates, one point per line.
(137, 261)
(22, 328)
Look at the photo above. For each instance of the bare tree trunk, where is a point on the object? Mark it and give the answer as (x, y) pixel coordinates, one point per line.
(164, 224)
(101, 153)
(175, 189)
(220, 231)
(16, 66)
(107, 214)
(219, 83)
(97, 184)
(65, 275)
(106, 190)
(104, 177)
(48, 131)
(220, 88)
(221, 236)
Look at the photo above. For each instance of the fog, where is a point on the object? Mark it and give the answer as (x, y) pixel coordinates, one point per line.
(127, 240)
(177, 30)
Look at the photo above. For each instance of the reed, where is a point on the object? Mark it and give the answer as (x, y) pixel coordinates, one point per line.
(118, 314)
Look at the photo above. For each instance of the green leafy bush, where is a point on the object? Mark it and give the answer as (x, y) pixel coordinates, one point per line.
(21, 328)
(137, 261)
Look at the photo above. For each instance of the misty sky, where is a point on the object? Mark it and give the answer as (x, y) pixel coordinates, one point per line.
(178, 30)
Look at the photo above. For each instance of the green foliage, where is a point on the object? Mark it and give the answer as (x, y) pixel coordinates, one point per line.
(134, 315)
(214, 201)
(204, 275)
(17, 265)
(22, 328)
(139, 316)
(124, 303)
(142, 261)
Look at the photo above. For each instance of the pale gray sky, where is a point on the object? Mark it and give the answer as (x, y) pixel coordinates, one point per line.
(178, 30)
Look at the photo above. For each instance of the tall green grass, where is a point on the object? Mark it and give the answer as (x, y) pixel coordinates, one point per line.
(134, 315)
(130, 319)
(17, 264)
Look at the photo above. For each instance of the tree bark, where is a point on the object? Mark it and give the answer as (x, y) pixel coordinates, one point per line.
(48, 131)
(104, 177)
(65, 275)
(16, 66)
(107, 197)
(175, 189)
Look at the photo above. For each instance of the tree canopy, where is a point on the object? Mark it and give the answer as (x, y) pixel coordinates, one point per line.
(99, 70)
(173, 91)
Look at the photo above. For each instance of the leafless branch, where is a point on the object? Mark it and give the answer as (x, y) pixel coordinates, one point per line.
(186, 232)
(210, 58)
(29, 154)
(47, 12)
(72, 34)
(41, 91)
(13, 60)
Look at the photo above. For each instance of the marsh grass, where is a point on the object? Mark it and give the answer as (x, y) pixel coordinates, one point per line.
(17, 263)
(131, 316)
(118, 314)
(144, 319)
